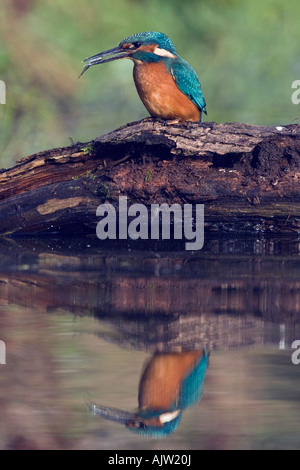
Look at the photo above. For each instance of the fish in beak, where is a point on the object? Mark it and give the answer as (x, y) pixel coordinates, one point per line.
(106, 56)
(111, 414)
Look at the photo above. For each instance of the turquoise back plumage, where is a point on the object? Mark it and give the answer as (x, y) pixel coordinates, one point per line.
(192, 387)
(188, 83)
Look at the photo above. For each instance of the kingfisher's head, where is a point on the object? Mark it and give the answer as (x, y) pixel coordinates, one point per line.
(148, 423)
(141, 47)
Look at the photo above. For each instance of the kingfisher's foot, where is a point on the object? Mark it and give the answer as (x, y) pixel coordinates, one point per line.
(170, 122)
(148, 119)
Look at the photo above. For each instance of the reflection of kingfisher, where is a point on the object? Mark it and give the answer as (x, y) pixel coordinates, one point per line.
(170, 383)
(167, 85)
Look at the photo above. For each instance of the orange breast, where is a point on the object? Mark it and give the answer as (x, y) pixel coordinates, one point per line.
(160, 94)
(161, 380)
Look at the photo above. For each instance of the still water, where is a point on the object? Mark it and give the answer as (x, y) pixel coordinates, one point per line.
(180, 350)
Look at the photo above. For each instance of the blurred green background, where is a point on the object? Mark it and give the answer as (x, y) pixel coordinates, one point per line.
(247, 54)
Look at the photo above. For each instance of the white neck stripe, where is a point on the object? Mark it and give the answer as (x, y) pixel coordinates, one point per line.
(163, 53)
(167, 417)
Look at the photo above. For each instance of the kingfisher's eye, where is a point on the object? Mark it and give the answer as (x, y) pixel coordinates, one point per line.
(139, 425)
(137, 44)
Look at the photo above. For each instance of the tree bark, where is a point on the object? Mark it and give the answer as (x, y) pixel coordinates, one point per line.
(246, 176)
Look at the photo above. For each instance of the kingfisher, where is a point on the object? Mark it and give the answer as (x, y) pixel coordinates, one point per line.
(167, 84)
(170, 383)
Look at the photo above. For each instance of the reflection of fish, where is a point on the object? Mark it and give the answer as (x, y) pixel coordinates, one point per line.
(171, 382)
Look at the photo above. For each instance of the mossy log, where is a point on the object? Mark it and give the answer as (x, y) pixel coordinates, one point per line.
(246, 176)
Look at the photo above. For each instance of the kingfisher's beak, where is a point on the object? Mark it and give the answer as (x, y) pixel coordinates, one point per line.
(111, 414)
(106, 56)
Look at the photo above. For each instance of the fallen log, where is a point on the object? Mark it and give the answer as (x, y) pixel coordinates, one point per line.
(246, 176)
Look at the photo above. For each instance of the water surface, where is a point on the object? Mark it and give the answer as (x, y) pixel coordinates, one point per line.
(81, 318)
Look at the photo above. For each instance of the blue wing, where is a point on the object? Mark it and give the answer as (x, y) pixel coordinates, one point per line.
(188, 83)
(192, 387)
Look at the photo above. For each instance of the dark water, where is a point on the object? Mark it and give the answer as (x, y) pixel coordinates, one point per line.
(80, 319)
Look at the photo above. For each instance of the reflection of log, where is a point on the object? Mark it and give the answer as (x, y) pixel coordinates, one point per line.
(247, 177)
(169, 328)
(167, 302)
